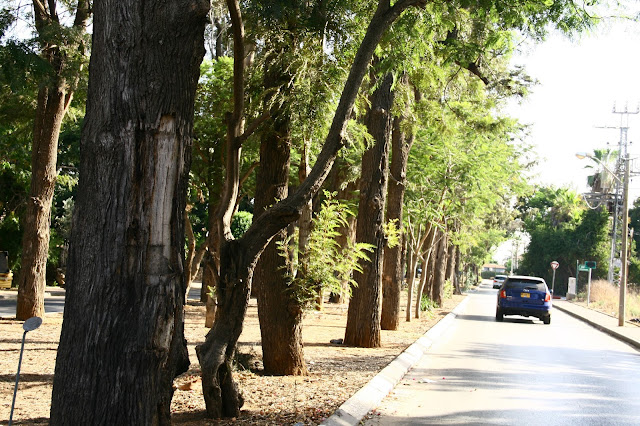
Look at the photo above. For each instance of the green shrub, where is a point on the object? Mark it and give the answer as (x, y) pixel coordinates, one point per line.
(328, 266)
(448, 289)
(240, 223)
(487, 275)
(426, 304)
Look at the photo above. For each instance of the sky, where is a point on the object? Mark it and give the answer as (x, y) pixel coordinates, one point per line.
(580, 83)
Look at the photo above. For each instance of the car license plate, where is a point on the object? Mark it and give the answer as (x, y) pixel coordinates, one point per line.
(525, 295)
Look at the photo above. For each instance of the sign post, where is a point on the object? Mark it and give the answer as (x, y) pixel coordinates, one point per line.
(29, 325)
(589, 288)
(589, 264)
(554, 266)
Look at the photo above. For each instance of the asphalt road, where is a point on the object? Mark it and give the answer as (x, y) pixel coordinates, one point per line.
(51, 305)
(54, 302)
(518, 372)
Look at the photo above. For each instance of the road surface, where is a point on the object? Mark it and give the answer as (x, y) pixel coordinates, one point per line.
(54, 301)
(518, 372)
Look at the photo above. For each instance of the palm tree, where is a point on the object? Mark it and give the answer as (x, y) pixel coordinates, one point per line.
(602, 181)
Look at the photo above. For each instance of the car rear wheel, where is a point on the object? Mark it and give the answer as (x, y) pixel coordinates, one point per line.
(499, 315)
(547, 319)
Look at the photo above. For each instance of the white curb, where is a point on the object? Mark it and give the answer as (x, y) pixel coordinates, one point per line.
(355, 408)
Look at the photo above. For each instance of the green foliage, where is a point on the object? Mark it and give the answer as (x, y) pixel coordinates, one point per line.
(14, 187)
(392, 233)
(633, 280)
(212, 291)
(487, 274)
(426, 304)
(551, 207)
(464, 168)
(240, 222)
(468, 279)
(447, 290)
(563, 229)
(326, 265)
(213, 101)
(11, 239)
(634, 223)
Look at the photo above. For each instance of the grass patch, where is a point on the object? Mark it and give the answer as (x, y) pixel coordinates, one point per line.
(605, 297)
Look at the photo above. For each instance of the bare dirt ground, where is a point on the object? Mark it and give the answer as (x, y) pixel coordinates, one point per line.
(336, 371)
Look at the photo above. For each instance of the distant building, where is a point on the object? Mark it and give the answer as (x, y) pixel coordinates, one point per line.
(494, 268)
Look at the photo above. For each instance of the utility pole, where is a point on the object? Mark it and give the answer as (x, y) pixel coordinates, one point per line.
(623, 144)
(624, 270)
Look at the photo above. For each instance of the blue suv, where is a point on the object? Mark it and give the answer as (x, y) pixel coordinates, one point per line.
(526, 296)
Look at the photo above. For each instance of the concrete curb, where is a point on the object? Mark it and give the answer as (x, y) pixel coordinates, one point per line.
(602, 328)
(355, 408)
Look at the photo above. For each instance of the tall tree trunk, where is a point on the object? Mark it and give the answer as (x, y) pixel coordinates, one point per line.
(411, 277)
(193, 257)
(304, 226)
(217, 352)
(420, 287)
(451, 262)
(347, 191)
(53, 102)
(210, 276)
(122, 340)
(238, 258)
(52, 106)
(430, 269)
(439, 272)
(278, 310)
(456, 271)
(427, 249)
(392, 269)
(363, 318)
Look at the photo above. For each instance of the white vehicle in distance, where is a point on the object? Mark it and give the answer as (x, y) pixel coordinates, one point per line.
(498, 280)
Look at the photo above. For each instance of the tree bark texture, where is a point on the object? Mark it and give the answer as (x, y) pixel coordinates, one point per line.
(451, 262)
(216, 354)
(52, 106)
(363, 318)
(431, 268)
(392, 277)
(456, 272)
(234, 272)
(427, 261)
(122, 340)
(439, 272)
(419, 291)
(411, 277)
(305, 225)
(279, 313)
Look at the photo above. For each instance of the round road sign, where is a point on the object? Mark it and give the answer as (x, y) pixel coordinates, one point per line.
(555, 264)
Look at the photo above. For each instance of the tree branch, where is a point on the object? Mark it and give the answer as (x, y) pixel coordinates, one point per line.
(83, 11)
(253, 127)
(246, 175)
(472, 67)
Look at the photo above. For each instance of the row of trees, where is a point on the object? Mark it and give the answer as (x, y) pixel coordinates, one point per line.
(564, 228)
(409, 131)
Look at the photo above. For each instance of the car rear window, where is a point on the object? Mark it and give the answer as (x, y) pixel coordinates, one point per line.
(501, 277)
(519, 284)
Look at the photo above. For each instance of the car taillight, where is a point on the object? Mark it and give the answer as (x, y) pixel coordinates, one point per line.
(547, 297)
(503, 294)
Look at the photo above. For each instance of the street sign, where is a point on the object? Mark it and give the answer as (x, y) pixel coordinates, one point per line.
(583, 268)
(555, 265)
(590, 264)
